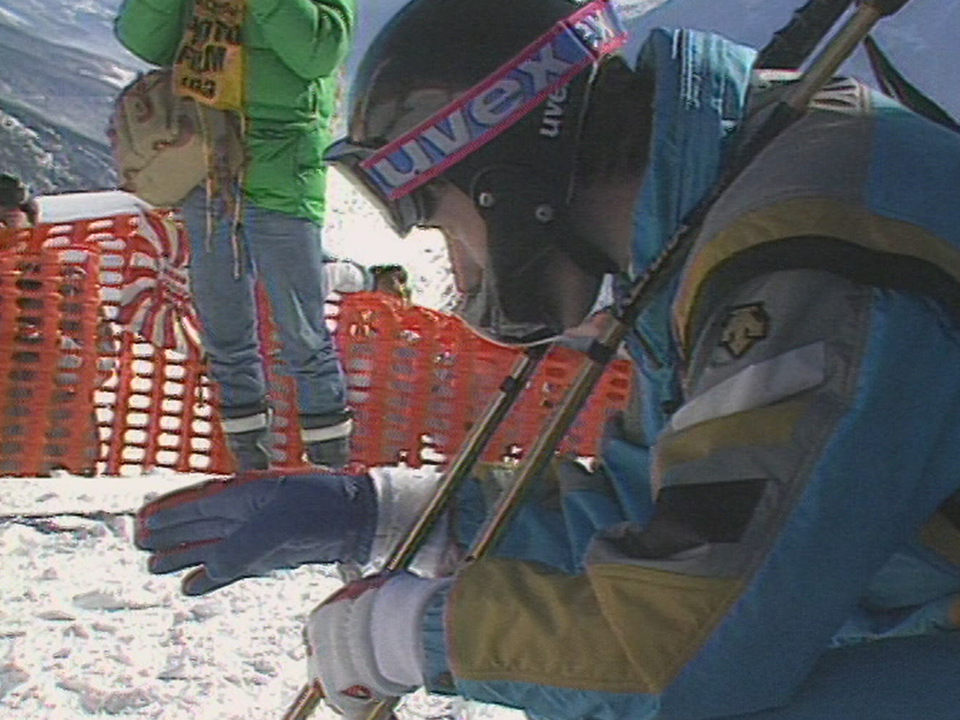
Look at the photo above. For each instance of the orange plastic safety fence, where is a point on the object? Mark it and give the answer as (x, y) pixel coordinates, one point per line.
(150, 407)
(48, 324)
(417, 378)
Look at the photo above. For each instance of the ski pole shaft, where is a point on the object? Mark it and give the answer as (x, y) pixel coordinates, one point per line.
(306, 702)
(536, 459)
(470, 451)
(828, 61)
(543, 449)
(531, 466)
(887, 7)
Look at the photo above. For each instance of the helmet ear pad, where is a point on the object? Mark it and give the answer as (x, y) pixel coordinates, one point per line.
(536, 268)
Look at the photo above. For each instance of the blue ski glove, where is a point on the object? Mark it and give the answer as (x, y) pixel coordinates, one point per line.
(251, 524)
(364, 642)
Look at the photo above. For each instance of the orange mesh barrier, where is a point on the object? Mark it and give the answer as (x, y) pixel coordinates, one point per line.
(48, 364)
(151, 405)
(417, 378)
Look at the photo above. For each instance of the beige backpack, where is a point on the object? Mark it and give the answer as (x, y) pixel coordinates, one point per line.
(164, 145)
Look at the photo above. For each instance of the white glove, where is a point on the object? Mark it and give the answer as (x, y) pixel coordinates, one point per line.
(364, 642)
(402, 495)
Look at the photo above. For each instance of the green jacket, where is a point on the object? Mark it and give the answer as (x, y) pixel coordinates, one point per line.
(293, 49)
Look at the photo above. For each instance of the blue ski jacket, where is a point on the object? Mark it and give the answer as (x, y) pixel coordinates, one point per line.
(768, 534)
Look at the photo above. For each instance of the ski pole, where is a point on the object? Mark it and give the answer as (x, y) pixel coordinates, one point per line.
(470, 451)
(841, 46)
(531, 466)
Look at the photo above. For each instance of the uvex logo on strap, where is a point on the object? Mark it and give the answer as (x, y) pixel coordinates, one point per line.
(498, 102)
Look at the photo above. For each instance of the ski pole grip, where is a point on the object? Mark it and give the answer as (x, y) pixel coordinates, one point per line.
(886, 7)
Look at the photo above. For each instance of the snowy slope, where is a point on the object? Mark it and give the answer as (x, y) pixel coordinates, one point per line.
(86, 632)
(83, 24)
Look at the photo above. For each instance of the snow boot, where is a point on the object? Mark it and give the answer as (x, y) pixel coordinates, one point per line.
(248, 439)
(326, 438)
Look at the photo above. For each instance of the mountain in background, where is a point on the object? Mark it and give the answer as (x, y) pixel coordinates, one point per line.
(61, 68)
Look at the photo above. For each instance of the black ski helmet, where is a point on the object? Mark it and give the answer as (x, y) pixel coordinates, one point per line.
(488, 95)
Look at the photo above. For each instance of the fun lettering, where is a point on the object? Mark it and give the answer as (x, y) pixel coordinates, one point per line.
(207, 88)
(209, 62)
(205, 31)
(210, 58)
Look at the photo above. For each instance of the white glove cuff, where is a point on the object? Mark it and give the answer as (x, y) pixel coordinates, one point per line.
(396, 627)
(402, 495)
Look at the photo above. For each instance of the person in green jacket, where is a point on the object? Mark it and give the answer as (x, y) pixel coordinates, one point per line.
(273, 65)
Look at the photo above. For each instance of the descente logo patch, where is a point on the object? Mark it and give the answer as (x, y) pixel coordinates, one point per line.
(542, 70)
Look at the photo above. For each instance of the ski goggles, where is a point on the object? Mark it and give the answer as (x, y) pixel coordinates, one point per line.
(393, 176)
(402, 213)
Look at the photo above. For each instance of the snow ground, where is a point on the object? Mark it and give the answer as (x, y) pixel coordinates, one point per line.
(85, 631)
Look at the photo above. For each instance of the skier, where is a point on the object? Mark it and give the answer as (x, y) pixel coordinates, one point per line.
(775, 532)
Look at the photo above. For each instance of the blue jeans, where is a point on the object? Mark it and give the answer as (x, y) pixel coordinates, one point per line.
(285, 253)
